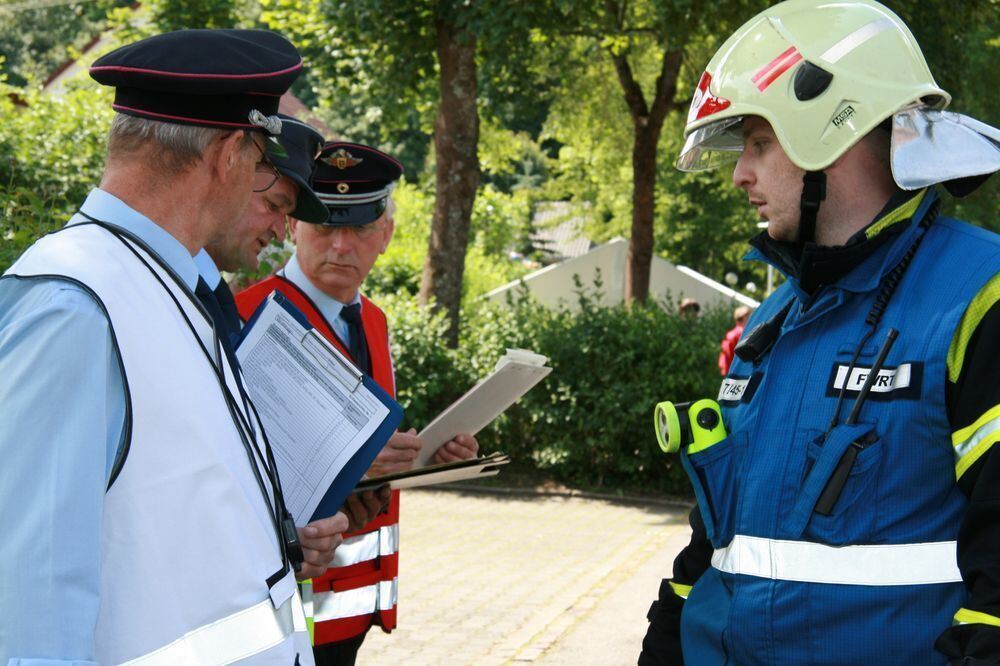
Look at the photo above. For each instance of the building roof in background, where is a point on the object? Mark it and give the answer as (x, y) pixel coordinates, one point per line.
(56, 83)
(555, 286)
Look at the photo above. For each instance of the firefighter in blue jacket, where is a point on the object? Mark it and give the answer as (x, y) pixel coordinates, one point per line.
(851, 514)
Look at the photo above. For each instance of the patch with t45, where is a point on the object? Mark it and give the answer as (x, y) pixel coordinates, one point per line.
(736, 390)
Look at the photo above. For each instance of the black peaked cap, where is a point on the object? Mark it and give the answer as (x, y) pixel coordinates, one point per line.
(208, 78)
(302, 144)
(354, 181)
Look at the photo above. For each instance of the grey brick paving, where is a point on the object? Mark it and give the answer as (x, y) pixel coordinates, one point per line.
(488, 579)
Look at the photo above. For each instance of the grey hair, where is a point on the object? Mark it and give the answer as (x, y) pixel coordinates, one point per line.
(179, 146)
(390, 207)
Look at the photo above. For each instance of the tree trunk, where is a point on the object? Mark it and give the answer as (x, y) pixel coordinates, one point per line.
(647, 121)
(456, 140)
(640, 244)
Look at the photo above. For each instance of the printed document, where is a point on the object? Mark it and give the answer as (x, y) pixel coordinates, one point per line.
(315, 409)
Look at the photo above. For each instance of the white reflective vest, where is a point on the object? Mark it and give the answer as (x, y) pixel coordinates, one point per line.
(188, 544)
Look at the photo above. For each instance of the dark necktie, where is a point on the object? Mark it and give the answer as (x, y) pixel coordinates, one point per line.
(359, 347)
(228, 306)
(211, 303)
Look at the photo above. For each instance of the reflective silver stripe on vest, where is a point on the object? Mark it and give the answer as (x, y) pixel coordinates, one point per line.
(368, 546)
(388, 539)
(905, 564)
(238, 636)
(360, 601)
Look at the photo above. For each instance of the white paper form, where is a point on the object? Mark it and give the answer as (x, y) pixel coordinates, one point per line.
(515, 374)
(315, 410)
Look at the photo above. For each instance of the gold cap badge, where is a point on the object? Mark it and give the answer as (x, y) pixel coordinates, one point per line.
(342, 159)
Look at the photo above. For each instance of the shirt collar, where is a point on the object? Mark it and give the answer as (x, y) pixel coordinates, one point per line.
(328, 306)
(108, 208)
(207, 269)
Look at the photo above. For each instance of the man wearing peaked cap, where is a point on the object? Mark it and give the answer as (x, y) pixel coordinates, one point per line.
(323, 278)
(228, 79)
(278, 193)
(146, 518)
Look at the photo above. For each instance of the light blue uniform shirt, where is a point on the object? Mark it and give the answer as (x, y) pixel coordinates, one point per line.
(328, 306)
(62, 410)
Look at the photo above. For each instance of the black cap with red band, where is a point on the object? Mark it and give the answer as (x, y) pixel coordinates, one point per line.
(354, 181)
(225, 79)
(302, 144)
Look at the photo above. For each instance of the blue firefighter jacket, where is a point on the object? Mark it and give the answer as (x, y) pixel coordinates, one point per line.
(876, 581)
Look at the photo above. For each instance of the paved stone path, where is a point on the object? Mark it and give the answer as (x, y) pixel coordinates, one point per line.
(493, 579)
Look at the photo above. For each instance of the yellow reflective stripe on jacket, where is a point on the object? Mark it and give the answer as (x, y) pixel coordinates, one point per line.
(966, 616)
(973, 441)
(902, 213)
(978, 307)
(306, 590)
(681, 591)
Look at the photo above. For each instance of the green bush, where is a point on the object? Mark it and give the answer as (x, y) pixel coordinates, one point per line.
(588, 423)
(497, 221)
(51, 155)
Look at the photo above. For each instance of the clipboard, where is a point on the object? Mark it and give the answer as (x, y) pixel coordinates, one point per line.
(516, 374)
(432, 475)
(358, 465)
(338, 368)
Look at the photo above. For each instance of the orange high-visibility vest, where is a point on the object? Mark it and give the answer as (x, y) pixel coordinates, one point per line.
(361, 586)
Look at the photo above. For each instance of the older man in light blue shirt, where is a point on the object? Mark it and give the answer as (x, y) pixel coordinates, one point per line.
(65, 402)
(62, 392)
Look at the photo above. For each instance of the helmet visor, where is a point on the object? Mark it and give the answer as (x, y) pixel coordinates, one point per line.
(712, 146)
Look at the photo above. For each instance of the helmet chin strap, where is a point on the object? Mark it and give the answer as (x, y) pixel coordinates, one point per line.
(813, 194)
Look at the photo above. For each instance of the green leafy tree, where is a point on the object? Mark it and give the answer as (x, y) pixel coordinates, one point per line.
(170, 15)
(652, 49)
(419, 65)
(37, 37)
(152, 17)
(51, 155)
